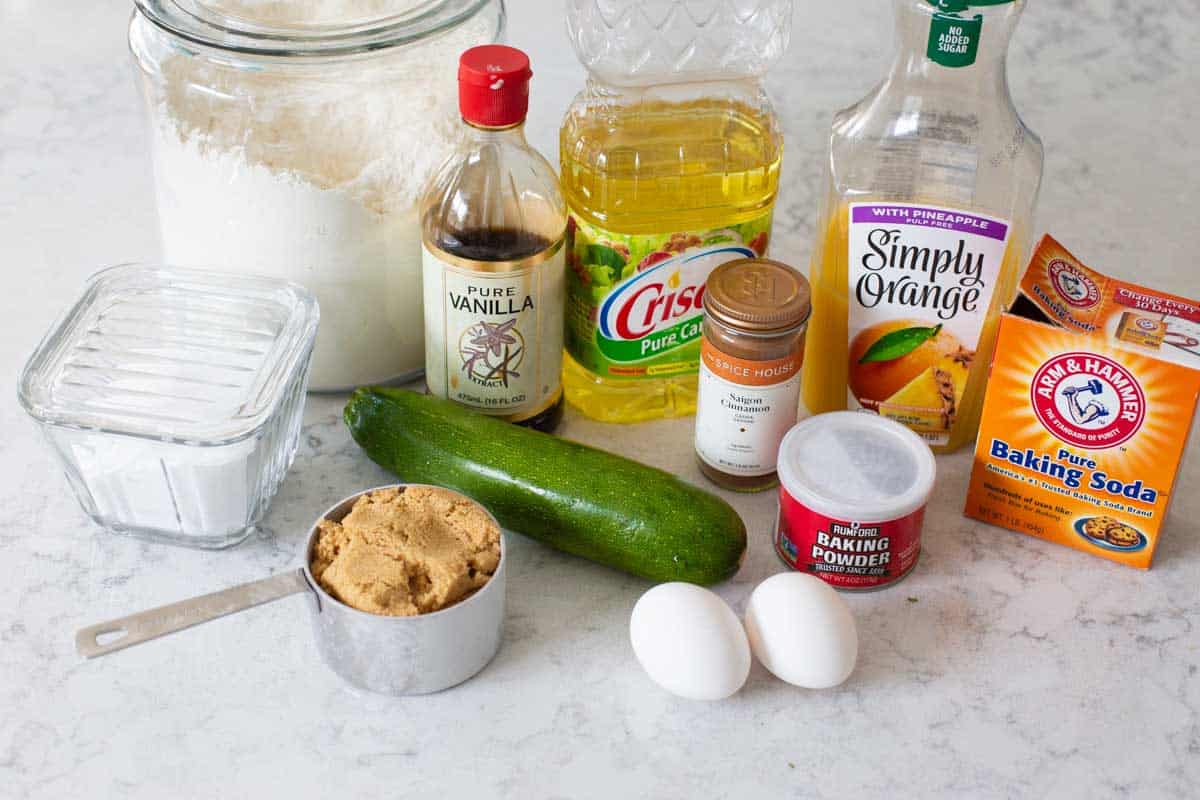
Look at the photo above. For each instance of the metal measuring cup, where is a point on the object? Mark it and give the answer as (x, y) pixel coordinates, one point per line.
(390, 655)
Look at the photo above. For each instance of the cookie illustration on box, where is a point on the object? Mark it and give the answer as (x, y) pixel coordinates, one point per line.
(1097, 527)
(1111, 533)
(1121, 535)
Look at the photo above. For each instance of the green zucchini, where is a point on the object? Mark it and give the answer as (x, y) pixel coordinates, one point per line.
(566, 495)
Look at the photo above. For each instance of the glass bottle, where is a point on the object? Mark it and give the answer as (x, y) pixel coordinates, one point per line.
(670, 165)
(493, 221)
(926, 220)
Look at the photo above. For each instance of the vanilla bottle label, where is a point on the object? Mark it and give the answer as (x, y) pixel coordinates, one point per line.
(493, 339)
(921, 280)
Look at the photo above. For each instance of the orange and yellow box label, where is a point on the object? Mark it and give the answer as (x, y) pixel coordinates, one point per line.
(1083, 428)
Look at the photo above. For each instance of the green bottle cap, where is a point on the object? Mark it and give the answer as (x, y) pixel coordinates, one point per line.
(954, 38)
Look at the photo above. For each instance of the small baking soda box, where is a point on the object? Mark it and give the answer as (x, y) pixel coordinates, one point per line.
(1091, 395)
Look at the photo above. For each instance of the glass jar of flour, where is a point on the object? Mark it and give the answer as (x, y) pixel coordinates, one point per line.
(293, 139)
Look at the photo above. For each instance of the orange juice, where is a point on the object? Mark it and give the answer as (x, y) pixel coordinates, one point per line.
(907, 329)
(1083, 429)
(930, 185)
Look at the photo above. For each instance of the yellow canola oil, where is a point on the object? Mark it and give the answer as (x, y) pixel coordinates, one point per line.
(659, 193)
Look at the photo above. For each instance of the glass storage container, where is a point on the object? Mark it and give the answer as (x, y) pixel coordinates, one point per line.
(293, 139)
(173, 398)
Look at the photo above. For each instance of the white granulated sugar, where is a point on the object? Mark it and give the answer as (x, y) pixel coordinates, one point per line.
(312, 172)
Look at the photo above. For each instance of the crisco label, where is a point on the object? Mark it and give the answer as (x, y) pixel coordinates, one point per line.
(659, 309)
(635, 302)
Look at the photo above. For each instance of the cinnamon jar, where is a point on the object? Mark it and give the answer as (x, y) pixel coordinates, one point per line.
(755, 314)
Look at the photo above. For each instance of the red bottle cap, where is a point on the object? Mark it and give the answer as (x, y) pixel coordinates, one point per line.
(493, 85)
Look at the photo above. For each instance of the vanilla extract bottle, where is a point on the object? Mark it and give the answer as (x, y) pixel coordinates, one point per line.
(493, 221)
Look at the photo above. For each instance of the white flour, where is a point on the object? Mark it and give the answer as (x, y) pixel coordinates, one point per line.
(313, 175)
(311, 12)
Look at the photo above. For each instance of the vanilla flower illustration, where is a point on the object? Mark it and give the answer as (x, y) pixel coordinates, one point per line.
(495, 336)
(469, 359)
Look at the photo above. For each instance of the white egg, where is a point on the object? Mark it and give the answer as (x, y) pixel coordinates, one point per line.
(689, 641)
(801, 630)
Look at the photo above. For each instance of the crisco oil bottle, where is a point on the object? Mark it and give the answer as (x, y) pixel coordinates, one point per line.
(670, 165)
(929, 194)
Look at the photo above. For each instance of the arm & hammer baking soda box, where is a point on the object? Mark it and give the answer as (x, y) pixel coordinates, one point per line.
(1090, 399)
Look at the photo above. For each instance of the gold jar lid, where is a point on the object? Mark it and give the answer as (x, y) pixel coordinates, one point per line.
(758, 295)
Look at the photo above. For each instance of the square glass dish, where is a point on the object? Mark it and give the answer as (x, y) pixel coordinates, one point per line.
(173, 398)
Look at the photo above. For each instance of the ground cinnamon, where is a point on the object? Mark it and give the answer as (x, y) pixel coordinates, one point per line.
(755, 314)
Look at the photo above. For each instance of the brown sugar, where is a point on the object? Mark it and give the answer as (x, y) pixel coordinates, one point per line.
(408, 551)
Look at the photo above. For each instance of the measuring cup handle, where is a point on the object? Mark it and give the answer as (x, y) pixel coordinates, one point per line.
(125, 632)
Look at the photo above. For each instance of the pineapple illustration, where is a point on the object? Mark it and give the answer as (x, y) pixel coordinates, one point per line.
(929, 402)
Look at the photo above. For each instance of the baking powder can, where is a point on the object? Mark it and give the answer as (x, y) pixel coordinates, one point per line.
(852, 493)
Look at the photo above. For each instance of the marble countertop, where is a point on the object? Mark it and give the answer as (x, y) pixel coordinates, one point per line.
(1003, 667)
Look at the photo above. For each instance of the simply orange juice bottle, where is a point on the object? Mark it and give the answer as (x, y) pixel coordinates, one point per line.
(929, 194)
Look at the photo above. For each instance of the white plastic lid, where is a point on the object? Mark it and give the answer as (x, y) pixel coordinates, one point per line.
(857, 466)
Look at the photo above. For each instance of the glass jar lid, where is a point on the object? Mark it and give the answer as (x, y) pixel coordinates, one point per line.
(307, 28)
(200, 358)
(758, 295)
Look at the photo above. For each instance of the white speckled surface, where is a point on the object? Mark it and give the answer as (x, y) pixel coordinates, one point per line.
(1004, 667)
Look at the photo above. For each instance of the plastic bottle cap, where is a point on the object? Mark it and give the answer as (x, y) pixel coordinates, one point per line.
(493, 85)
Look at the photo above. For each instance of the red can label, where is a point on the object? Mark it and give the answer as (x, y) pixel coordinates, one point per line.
(844, 553)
